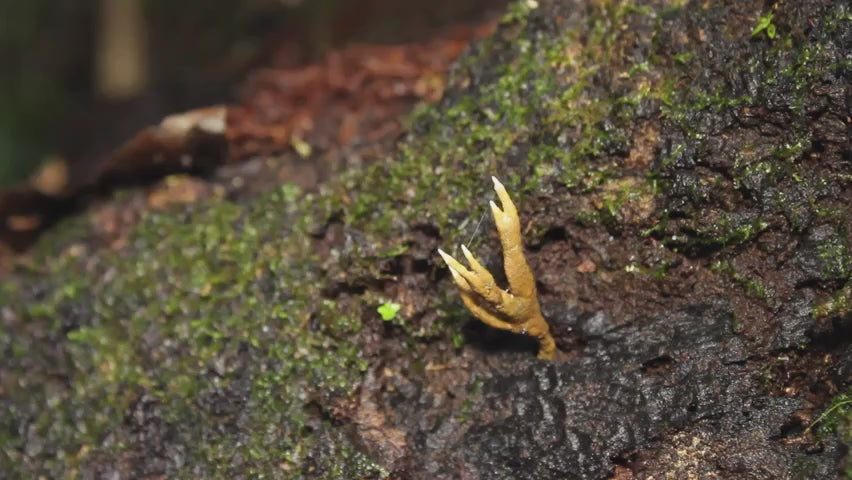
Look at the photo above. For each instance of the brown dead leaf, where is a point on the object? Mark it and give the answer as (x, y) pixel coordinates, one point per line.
(587, 266)
(23, 223)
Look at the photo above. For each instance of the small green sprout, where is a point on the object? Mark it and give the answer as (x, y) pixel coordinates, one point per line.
(302, 148)
(388, 310)
(765, 23)
(683, 58)
(838, 409)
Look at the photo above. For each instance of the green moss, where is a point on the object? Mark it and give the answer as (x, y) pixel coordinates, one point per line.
(518, 11)
(835, 257)
(474, 391)
(786, 73)
(836, 419)
(205, 298)
(541, 98)
(753, 287)
(838, 305)
(764, 24)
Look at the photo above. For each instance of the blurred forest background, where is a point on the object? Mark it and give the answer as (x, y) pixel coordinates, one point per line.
(78, 77)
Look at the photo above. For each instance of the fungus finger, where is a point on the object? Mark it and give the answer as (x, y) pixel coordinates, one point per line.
(536, 326)
(518, 311)
(505, 200)
(460, 281)
(518, 272)
(455, 264)
(488, 287)
(508, 227)
(487, 317)
(546, 346)
(477, 268)
(485, 285)
(472, 278)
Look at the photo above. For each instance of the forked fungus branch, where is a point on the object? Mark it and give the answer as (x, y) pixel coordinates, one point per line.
(517, 309)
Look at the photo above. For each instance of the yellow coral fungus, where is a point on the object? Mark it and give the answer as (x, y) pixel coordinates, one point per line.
(516, 310)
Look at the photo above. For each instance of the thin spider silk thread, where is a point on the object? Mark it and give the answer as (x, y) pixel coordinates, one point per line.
(476, 230)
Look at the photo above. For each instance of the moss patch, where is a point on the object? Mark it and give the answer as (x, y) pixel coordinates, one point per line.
(213, 316)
